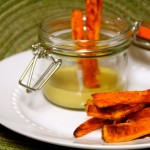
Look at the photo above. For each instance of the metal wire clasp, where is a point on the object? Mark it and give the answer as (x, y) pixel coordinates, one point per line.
(27, 80)
(140, 41)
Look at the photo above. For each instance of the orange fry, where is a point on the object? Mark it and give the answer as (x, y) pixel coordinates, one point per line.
(90, 73)
(93, 19)
(144, 32)
(90, 67)
(77, 25)
(122, 132)
(94, 111)
(124, 110)
(88, 126)
(145, 112)
(105, 99)
(116, 113)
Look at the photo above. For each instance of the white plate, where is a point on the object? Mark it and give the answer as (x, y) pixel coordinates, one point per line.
(31, 115)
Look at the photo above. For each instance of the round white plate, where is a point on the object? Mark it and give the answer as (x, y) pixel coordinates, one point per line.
(33, 116)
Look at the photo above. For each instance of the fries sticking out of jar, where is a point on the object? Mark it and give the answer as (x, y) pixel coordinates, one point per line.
(89, 66)
(121, 116)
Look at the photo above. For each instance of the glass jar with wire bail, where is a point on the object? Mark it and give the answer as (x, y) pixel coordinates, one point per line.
(85, 66)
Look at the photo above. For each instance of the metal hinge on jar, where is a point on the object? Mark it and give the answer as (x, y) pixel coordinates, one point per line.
(141, 35)
(27, 78)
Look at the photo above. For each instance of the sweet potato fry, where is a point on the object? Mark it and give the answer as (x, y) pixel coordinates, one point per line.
(124, 110)
(127, 118)
(90, 67)
(90, 72)
(144, 32)
(93, 19)
(88, 126)
(145, 112)
(116, 113)
(89, 103)
(93, 110)
(106, 99)
(122, 132)
(77, 25)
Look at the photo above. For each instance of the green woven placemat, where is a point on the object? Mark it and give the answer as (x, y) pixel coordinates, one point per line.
(20, 19)
(10, 140)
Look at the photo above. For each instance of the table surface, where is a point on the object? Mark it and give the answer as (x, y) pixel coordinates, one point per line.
(10, 140)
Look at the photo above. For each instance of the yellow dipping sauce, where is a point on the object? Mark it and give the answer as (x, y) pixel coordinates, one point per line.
(65, 87)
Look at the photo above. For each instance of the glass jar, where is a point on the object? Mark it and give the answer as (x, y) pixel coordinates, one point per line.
(66, 87)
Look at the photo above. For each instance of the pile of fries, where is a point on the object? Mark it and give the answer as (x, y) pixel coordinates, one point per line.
(121, 116)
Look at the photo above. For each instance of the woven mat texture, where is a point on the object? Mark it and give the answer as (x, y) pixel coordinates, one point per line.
(20, 19)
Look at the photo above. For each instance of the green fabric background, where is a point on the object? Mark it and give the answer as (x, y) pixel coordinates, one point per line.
(20, 19)
(19, 26)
